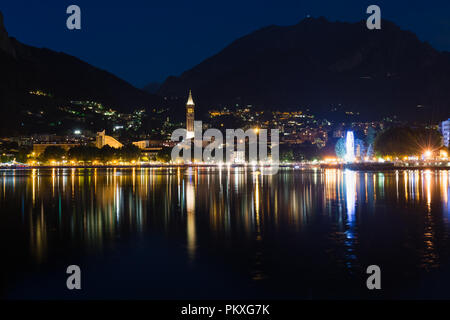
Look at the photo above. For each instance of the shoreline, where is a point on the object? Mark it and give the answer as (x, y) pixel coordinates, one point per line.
(383, 166)
(340, 166)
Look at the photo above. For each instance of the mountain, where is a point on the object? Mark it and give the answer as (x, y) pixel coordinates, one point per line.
(152, 87)
(61, 78)
(323, 66)
(5, 43)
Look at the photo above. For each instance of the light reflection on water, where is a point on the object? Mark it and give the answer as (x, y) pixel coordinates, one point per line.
(341, 220)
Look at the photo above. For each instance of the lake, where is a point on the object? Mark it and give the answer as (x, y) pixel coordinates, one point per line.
(190, 233)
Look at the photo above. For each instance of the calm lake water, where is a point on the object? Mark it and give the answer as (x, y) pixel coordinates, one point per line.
(232, 233)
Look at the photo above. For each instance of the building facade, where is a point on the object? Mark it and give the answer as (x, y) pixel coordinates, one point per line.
(102, 139)
(445, 130)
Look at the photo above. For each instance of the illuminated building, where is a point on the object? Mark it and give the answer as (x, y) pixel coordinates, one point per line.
(102, 139)
(141, 144)
(445, 130)
(239, 156)
(148, 149)
(190, 106)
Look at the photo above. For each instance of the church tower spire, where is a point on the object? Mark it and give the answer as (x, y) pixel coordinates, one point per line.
(190, 116)
(190, 101)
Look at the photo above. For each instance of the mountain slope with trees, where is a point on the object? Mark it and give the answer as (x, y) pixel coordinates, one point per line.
(58, 78)
(327, 67)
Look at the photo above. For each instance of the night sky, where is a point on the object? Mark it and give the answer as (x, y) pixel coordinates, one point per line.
(146, 41)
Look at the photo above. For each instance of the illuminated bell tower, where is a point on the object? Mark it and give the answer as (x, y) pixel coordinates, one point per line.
(190, 116)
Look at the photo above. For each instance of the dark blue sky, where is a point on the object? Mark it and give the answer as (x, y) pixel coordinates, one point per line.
(143, 40)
